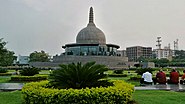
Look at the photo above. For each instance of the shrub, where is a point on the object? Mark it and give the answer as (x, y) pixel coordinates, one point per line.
(141, 71)
(29, 78)
(135, 78)
(29, 71)
(38, 93)
(79, 76)
(5, 74)
(117, 75)
(132, 69)
(3, 70)
(118, 71)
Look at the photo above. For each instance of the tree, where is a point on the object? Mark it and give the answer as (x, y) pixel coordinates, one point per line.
(6, 57)
(39, 57)
(79, 76)
(179, 56)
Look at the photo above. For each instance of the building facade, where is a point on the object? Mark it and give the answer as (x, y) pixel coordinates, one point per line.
(133, 53)
(164, 53)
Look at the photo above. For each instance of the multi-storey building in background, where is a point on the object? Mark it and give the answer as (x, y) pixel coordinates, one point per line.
(133, 53)
(164, 53)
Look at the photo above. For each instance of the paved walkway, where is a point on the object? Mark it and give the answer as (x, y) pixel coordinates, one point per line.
(173, 87)
(10, 86)
(178, 87)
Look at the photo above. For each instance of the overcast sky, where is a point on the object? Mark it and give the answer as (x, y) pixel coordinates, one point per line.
(35, 25)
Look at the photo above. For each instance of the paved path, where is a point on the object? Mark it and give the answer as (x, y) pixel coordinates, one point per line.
(10, 86)
(178, 87)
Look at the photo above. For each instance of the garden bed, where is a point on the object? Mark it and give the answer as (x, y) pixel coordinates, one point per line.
(39, 93)
(5, 74)
(29, 78)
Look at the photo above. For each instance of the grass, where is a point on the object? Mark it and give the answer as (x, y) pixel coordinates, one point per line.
(140, 96)
(13, 97)
(159, 97)
(4, 79)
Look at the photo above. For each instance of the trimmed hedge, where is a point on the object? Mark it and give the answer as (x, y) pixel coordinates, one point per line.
(39, 93)
(141, 71)
(135, 78)
(5, 74)
(117, 75)
(118, 71)
(29, 78)
(3, 70)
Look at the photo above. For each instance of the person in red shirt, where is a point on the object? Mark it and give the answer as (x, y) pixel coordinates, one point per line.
(182, 78)
(174, 77)
(161, 77)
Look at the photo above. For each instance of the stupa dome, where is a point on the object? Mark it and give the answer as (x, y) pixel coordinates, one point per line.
(91, 34)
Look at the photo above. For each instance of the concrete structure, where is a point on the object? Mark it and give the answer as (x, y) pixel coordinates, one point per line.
(164, 53)
(147, 64)
(121, 53)
(90, 46)
(91, 41)
(133, 53)
(22, 60)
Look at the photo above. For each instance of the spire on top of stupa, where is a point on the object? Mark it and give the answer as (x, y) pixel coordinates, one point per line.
(91, 18)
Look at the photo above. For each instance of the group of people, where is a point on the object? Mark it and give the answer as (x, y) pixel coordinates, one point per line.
(161, 78)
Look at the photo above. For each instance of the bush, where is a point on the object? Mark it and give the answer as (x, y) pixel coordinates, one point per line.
(79, 76)
(135, 78)
(3, 70)
(5, 74)
(29, 78)
(117, 75)
(141, 71)
(39, 93)
(29, 71)
(118, 71)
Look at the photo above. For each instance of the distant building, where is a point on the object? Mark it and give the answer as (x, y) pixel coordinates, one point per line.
(164, 53)
(121, 53)
(133, 53)
(22, 60)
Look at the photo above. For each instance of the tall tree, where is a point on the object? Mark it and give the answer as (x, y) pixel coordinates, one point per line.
(39, 56)
(6, 57)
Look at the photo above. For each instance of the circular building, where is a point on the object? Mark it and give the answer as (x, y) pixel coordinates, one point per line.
(90, 41)
(91, 46)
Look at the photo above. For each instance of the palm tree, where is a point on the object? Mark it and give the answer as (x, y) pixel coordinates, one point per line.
(79, 76)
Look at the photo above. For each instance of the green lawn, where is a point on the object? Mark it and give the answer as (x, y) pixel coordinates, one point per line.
(141, 96)
(13, 97)
(126, 79)
(4, 79)
(159, 97)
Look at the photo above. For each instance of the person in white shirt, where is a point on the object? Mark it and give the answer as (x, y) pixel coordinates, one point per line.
(146, 78)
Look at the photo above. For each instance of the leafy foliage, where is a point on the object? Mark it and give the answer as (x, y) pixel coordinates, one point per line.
(39, 57)
(79, 76)
(118, 71)
(39, 93)
(29, 78)
(180, 54)
(141, 71)
(6, 56)
(29, 71)
(118, 75)
(3, 70)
